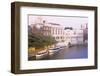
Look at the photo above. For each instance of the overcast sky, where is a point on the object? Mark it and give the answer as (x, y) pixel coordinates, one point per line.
(71, 21)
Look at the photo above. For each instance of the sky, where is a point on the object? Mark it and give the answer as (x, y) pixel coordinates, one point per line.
(66, 21)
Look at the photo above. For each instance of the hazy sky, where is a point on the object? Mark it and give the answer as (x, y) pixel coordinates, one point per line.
(67, 21)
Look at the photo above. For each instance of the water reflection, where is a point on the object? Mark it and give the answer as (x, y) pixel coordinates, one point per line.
(74, 52)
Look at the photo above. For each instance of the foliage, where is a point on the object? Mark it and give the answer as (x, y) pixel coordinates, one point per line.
(38, 40)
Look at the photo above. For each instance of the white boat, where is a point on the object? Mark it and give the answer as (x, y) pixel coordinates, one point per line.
(42, 54)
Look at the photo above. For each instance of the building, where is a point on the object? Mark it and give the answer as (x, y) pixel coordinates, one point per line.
(61, 34)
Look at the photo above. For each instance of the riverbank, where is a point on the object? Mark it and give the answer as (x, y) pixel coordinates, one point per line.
(73, 52)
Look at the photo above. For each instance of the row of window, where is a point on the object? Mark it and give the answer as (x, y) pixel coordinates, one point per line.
(55, 31)
(61, 37)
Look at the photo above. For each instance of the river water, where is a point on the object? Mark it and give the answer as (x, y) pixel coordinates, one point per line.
(74, 52)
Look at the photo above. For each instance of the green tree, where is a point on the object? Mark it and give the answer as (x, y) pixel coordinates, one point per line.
(39, 40)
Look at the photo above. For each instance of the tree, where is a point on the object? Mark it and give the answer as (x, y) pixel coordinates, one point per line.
(38, 40)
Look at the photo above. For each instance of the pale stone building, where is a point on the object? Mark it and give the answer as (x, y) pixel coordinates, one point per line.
(60, 33)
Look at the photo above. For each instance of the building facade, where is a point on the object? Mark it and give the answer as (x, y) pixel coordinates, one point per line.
(60, 33)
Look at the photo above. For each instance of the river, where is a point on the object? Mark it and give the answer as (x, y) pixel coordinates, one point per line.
(74, 52)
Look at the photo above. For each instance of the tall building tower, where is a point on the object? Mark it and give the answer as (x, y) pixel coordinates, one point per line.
(85, 32)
